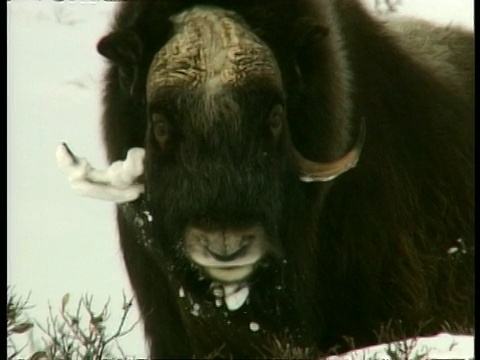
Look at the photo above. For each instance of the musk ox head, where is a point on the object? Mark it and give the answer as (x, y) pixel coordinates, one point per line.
(219, 165)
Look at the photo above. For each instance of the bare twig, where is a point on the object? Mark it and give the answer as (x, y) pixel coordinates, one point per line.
(67, 339)
(387, 6)
(17, 322)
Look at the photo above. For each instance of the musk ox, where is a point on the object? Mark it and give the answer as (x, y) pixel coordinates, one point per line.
(255, 223)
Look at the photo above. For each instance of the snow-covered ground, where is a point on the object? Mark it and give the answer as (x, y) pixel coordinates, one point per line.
(59, 242)
(441, 346)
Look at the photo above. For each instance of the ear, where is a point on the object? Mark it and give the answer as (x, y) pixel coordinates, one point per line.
(121, 47)
(323, 92)
(125, 49)
(308, 44)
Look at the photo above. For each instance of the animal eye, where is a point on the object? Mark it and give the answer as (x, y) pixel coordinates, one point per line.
(161, 128)
(275, 119)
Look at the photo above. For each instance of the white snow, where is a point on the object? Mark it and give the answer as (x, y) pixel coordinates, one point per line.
(254, 326)
(235, 297)
(116, 184)
(452, 250)
(181, 292)
(453, 12)
(195, 310)
(218, 292)
(232, 295)
(441, 346)
(57, 241)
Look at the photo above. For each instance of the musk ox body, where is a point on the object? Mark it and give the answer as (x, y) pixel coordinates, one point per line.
(251, 113)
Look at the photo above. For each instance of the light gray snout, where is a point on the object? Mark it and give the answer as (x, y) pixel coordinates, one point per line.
(224, 245)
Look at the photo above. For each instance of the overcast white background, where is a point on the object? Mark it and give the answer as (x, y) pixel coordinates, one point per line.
(58, 242)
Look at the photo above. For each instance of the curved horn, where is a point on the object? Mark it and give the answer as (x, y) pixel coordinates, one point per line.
(313, 171)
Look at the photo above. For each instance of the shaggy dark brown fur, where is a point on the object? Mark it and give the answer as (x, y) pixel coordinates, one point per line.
(367, 249)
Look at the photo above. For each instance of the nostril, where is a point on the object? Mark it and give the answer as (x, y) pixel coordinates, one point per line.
(247, 239)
